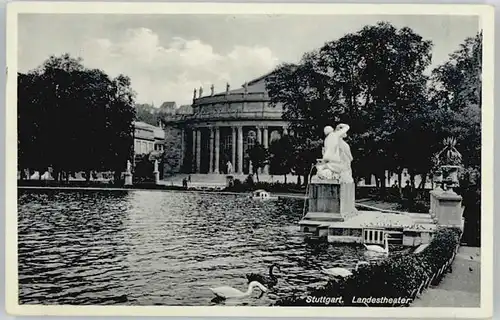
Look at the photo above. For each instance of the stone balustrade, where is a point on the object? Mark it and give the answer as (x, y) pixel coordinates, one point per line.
(233, 97)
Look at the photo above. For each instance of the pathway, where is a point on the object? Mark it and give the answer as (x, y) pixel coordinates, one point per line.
(461, 287)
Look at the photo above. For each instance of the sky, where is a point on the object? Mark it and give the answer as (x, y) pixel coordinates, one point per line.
(167, 56)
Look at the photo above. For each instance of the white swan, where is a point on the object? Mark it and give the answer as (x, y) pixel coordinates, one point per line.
(379, 249)
(341, 272)
(226, 292)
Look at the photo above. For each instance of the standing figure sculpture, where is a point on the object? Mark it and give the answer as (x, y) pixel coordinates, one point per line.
(129, 166)
(229, 167)
(155, 166)
(337, 157)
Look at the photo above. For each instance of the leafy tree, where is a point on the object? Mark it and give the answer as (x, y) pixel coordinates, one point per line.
(280, 162)
(456, 95)
(74, 119)
(373, 79)
(147, 113)
(259, 157)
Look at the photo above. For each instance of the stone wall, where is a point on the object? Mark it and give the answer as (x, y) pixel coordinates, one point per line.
(172, 160)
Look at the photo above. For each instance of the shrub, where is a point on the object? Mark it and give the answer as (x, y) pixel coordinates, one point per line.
(394, 277)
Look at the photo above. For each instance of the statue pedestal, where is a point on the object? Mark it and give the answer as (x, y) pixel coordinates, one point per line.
(157, 177)
(334, 198)
(446, 208)
(128, 178)
(329, 202)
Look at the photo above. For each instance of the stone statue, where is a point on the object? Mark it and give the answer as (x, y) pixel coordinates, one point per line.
(156, 166)
(229, 167)
(194, 93)
(227, 87)
(337, 157)
(129, 166)
(212, 90)
(201, 91)
(245, 86)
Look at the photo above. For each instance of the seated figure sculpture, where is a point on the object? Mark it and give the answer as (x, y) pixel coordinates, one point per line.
(336, 162)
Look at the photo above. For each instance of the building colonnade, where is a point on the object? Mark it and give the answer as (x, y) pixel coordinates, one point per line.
(212, 146)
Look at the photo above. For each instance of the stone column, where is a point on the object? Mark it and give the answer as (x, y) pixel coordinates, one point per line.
(217, 149)
(198, 150)
(211, 165)
(259, 135)
(183, 147)
(233, 148)
(240, 149)
(266, 145)
(259, 140)
(193, 156)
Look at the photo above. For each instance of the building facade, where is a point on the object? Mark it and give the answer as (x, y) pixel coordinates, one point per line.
(148, 138)
(221, 127)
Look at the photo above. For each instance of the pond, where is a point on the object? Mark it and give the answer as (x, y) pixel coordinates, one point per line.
(162, 248)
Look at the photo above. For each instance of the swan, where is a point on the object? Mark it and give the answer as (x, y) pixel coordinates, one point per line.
(226, 292)
(342, 272)
(379, 249)
(271, 280)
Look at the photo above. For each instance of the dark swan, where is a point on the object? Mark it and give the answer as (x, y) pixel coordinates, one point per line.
(270, 280)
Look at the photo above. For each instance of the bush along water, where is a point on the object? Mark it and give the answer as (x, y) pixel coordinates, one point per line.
(400, 278)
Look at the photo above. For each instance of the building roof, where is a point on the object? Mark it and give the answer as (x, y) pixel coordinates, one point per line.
(158, 132)
(168, 107)
(185, 109)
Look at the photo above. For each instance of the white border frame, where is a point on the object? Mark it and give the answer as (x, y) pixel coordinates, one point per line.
(486, 18)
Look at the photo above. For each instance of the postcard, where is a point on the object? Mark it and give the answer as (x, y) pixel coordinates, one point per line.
(216, 159)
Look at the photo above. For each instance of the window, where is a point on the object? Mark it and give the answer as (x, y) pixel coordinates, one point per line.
(336, 231)
(251, 139)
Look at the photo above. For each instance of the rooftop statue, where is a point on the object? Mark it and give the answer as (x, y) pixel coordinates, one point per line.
(337, 157)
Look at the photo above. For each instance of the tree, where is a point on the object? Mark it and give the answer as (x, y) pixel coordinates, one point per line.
(280, 162)
(147, 113)
(373, 79)
(258, 155)
(456, 95)
(74, 119)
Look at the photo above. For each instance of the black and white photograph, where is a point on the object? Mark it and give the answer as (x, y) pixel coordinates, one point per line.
(249, 156)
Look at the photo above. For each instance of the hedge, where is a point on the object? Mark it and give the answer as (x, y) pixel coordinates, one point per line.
(404, 276)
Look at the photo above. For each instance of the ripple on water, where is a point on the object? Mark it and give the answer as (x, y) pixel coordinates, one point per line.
(161, 248)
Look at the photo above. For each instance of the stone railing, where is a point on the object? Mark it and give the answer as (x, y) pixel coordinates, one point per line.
(233, 97)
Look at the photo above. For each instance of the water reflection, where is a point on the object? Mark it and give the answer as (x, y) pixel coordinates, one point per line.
(162, 248)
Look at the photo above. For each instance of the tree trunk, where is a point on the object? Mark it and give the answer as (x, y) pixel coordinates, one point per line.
(116, 176)
(400, 180)
(67, 176)
(299, 183)
(87, 175)
(257, 175)
(285, 178)
(424, 181)
(306, 179)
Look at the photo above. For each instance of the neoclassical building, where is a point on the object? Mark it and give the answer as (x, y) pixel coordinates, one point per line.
(218, 128)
